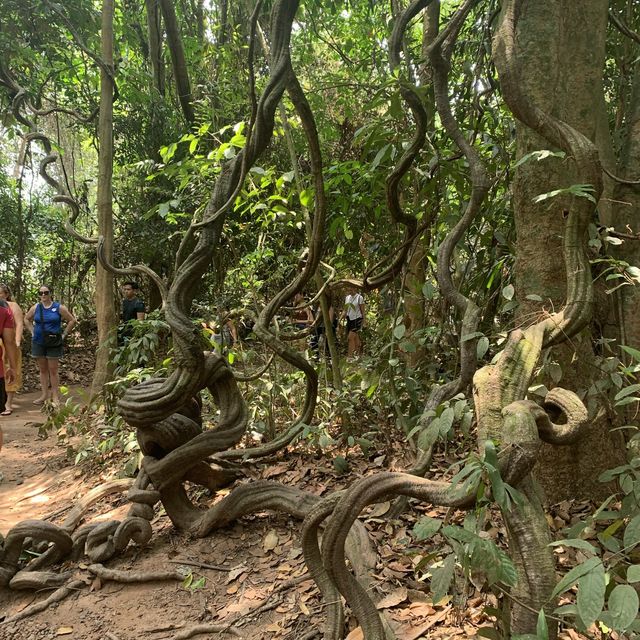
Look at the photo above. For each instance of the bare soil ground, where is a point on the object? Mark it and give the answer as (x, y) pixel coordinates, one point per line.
(250, 577)
(260, 585)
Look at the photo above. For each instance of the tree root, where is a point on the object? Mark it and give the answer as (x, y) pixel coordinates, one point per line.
(57, 596)
(132, 577)
(118, 485)
(185, 634)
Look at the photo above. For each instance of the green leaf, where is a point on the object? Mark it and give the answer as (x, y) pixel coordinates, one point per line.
(574, 575)
(508, 292)
(590, 599)
(482, 347)
(399, 331)
(627, 391)
(426, 527)
(306, 198)
(542, 630)
(542, 154)
(576, 543)
(441, 578)
(632, 533)
(634, 353)
(623, 606)
(381, 153)
(633, 573)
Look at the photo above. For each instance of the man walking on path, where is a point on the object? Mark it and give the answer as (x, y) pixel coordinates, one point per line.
(132, 309)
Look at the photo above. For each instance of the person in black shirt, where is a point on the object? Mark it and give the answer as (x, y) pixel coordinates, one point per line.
(132, 309)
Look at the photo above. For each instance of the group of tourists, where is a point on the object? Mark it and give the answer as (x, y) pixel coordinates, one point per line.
(304, 316)
(44, 321)
(49, 322)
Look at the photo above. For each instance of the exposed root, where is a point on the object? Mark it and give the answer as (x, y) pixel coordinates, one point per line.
(37, 580)
(57, 596)
(131, 577)
(96, 494)
(185, 634)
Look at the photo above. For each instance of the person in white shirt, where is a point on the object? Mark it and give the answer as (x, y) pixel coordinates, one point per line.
(354, 313)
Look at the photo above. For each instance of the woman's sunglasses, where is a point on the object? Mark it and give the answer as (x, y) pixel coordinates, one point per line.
(44, 293)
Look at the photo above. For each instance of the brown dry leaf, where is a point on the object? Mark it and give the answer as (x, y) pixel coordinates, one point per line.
(270, 541)
(233, 589)
(275, 471)
(235, 572)
(304, 608)
(393, 599)
(96, 584)
(421, 609)
(64, 631)
(356, 634)
(413, 633)
(379, 510)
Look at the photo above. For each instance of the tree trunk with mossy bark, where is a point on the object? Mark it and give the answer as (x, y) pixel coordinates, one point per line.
(561, 49)
(105, 311)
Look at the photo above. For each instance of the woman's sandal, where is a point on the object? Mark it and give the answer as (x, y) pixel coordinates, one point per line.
(6, 412)
(39, 401)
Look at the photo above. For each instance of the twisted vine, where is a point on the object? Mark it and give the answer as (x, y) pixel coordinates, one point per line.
(503, 412)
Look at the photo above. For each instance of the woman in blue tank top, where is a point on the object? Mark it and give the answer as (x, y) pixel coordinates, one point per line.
(43, 319)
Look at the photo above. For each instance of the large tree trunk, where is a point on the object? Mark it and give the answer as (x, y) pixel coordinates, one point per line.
(180, 71)
(154, 30)
(561, 47)
(105, 310)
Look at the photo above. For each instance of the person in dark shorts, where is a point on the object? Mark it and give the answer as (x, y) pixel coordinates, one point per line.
(43, 320)
(132, 309)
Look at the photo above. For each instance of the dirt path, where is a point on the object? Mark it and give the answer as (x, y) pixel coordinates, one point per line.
(260, 587)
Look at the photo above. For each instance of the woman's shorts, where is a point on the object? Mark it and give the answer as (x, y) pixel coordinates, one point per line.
(51, 353)
(354, 325)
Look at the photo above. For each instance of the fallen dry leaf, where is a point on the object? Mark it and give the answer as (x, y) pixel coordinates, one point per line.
(270, 540)
(379, 510)
(393, 599)
(64, 631)
(356, 634)
(235, 572)
(304, 608)
(413, 633)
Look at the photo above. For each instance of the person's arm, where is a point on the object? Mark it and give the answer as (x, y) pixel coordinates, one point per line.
(69, 318)
(233, 330)
(28, 319)
(140, 311)
(362, 312)
(18, 319)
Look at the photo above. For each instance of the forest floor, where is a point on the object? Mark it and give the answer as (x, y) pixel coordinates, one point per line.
(259, 584)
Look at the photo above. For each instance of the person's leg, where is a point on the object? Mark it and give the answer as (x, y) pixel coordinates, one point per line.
(43, 370)
(54, 365)
(3, 395)
(351, 343)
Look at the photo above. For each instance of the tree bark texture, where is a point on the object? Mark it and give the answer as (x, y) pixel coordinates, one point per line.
(105, 310)
(561, 46)
(180, 71)
(154, 29)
